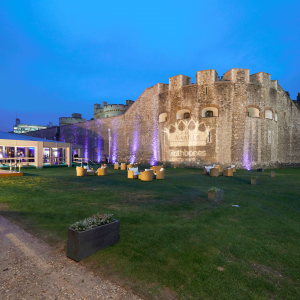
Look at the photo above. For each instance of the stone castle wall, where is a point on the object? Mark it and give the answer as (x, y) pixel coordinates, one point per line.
(229, 137)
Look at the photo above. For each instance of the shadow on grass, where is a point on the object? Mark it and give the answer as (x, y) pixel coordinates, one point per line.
(26, 221)
(240, 180)
(31, 175)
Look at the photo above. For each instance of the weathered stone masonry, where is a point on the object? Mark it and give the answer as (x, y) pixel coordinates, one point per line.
(241, 119)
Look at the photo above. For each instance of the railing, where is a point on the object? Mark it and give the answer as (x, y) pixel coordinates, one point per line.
(54, 160)
(23, 159)
(13, 162)
(83, 160)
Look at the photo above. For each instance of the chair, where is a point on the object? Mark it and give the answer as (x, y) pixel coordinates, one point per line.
(214, 172)
(130, 174)
(81, 171)
(233, 168)
(116, 166)
(220, 169)
(147, 175)
(133, 173)
(156, 168)
(102, 171)
(123, 167)
(160, 174)
(228, 172)
(129, 166)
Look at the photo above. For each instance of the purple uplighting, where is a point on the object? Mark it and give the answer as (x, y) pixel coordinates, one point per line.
(247, 161)
(155, 142)
(114, 140)
(134, 143)
(86, 144)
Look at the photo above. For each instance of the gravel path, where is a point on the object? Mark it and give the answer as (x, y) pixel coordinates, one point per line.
(31, 269)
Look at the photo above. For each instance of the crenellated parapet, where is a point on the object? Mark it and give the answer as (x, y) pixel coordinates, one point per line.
(178, 81)
(206, 77)
(237, 75)
(110, 110)
(76, 118)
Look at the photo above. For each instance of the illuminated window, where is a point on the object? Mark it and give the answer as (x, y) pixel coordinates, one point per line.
(182, 114)
(162, 118)
(186, 115)
(268, 114)
(209, 112)
(253, 112)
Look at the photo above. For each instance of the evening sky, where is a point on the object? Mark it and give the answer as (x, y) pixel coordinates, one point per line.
(61, 57)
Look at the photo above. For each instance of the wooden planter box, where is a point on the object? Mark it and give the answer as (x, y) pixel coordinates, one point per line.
(216, 196)
(272, 174)
(254, 181)
(82, 244)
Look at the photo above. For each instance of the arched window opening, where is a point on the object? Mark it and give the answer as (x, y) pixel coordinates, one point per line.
(276, 116)
(183, 114)
(253, 112)
(162, 118)
(268, 114)
(208, 112)
(186, 115)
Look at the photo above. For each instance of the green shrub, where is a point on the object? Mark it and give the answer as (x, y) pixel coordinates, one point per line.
(93, 221)
(254, 177)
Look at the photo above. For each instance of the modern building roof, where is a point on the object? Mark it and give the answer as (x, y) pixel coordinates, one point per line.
(13, 136)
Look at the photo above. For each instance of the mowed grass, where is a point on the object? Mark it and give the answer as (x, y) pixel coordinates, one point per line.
(174, 243)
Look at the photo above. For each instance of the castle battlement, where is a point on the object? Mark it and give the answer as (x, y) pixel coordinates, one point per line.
(76, 118)
(110, 110)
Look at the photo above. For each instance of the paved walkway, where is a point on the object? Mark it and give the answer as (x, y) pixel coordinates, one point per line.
(31, 269)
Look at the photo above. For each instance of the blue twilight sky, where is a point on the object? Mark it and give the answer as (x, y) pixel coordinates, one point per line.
(62, 56)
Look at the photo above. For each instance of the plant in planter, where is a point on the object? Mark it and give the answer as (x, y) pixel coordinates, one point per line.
(254, 180)
(215, 194)
(91, 235)
(272, 174)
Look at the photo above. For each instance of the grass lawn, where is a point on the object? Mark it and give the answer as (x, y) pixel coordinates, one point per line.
(174, 242)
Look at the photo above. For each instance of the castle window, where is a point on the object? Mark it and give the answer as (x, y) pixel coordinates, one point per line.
(253, 112)
(183, 114)
(208, 112)
(162, 118)
(209, 137)
(268, 114)
(206, 90)
(186, 115)
(276, 117)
